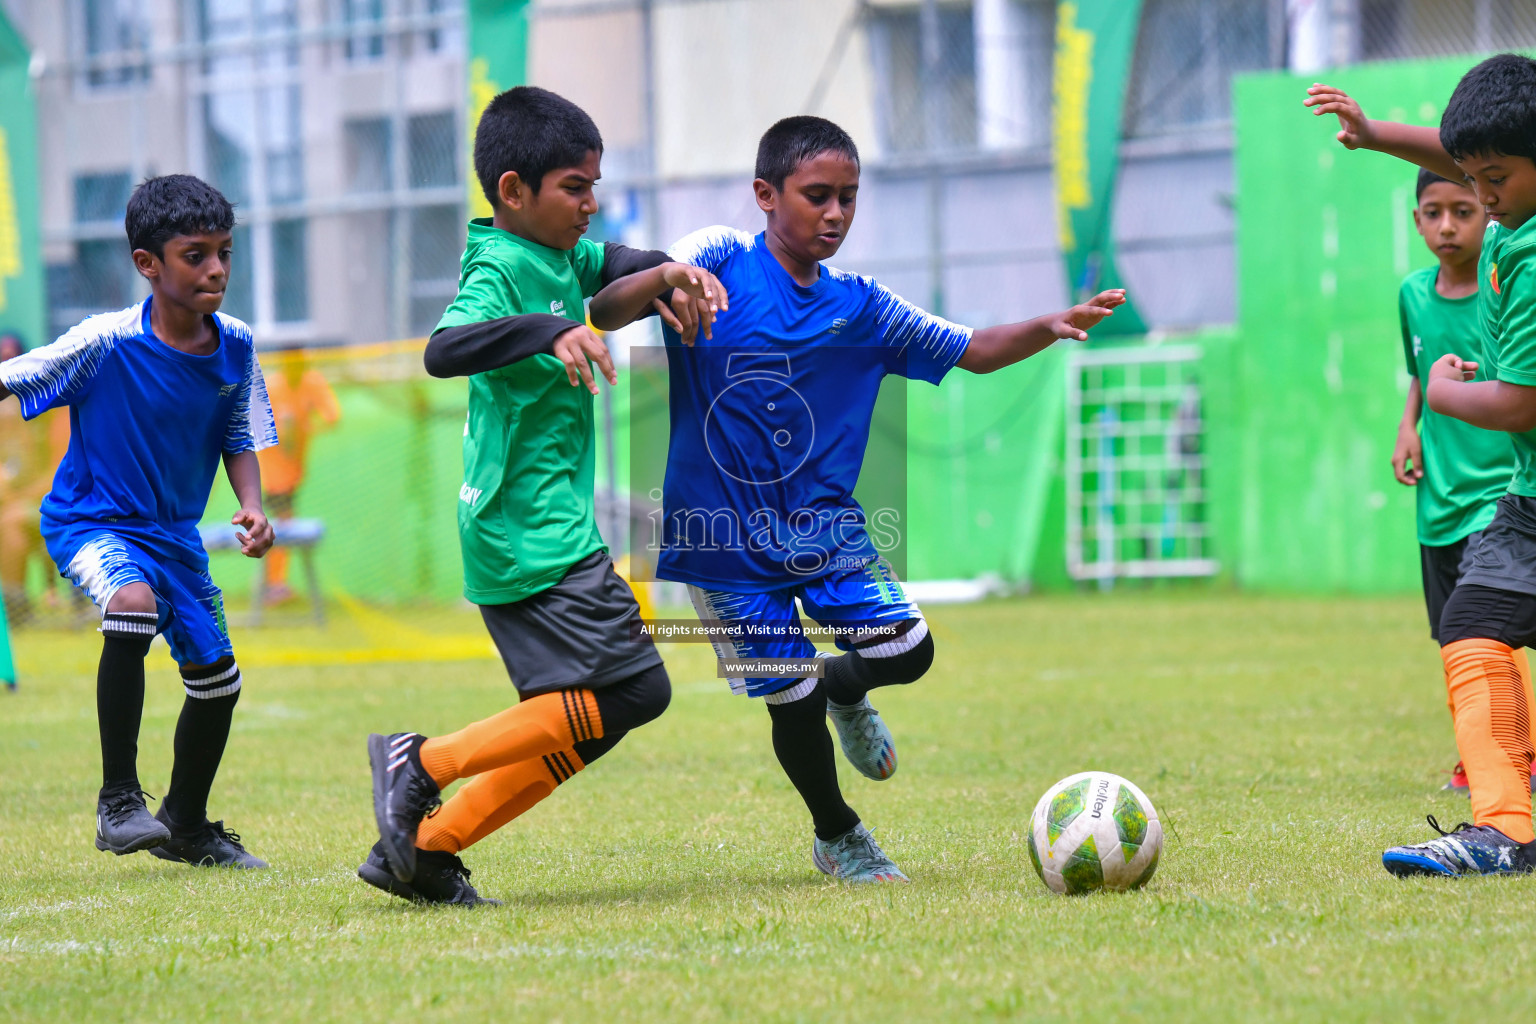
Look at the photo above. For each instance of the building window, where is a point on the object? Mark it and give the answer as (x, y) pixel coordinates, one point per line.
(437, 239)
(923, 110)
(240, 292)
(1186, 54)
(282, 122)
(250, 109)
(370, 167)
(365, 35)
(290, 263)
(113, 38)
(435, 39)
(433, 150)
(102, 197)
(226, 20)
(101, 275)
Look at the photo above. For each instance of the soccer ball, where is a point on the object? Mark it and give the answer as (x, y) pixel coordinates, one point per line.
(1094, 831)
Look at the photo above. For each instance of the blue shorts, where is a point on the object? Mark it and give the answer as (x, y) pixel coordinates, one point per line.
(191, 607)
(860, 605)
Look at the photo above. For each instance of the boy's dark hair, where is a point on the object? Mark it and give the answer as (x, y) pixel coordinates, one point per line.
(1428, 178)
(174, 204)
(794, 140)
(1493, 110)
(531, 131)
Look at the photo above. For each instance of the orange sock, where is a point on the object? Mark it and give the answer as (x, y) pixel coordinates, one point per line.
(1523, 665)
(489, 801)
(277, 567)
(1493, 733)
(539, 725)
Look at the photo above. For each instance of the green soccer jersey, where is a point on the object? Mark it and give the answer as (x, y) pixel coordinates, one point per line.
(1466, 468)
(525, 508)
(1506, 298)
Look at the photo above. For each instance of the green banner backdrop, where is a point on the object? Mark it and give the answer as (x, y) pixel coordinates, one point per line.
(1094, 43)
(498, 60)
(21, 265)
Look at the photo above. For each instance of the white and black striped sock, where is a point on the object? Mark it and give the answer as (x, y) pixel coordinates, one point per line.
(218, 680)
(130, 626)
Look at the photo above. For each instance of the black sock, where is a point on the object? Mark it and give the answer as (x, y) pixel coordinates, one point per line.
(591, 750)
(848, 678)
(627, 704)
(901, 659)
(804, 748)
(201, 733)
(120, 696)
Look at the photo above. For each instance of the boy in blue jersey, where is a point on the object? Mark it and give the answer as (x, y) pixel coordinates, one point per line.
(770, 418)
(158, 394)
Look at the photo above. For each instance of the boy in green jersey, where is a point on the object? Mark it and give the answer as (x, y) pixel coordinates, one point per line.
(565, 623)
(1460, 470)
(1487, 137)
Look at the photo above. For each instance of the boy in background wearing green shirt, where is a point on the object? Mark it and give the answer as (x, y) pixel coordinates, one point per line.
(565, 623)
(1460, 471)
(1487, 137)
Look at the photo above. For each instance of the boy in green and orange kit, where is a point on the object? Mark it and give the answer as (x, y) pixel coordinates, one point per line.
(1487, 137)
(565, 623)
(1460, 471)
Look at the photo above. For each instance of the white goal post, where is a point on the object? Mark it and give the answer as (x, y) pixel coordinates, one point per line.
(1137, 500)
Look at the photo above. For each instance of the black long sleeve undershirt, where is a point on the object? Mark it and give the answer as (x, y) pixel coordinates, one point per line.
(475, 348)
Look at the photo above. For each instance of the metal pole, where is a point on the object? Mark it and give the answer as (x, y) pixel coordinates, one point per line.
(933, 122)
(399, 224)
(651, 213)
(1484, 23)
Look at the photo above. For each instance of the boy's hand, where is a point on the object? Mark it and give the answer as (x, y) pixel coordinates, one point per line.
(1354, 127)
(1452, 367)
(1075, 322)
(701, 284)
(574, 347)
(258, 536)
(1408, 455)
(684, 314)
(708, 298)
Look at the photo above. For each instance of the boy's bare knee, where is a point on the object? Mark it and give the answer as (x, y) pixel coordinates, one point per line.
(134, 597)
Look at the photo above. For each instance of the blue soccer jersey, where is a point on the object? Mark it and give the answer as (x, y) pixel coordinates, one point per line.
(148, 426)
(771, 417)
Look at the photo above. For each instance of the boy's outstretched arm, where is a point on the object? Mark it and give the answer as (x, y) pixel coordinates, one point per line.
(1417, 144)
(244, 474)
(993, 348)
(628, 298)
(1490, 404)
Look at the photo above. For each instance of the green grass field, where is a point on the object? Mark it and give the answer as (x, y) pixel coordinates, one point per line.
(1284, 741)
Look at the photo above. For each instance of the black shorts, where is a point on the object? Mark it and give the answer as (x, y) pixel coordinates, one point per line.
(1443, 567)
(583, 631)
(1496, 598)
(1506, 558)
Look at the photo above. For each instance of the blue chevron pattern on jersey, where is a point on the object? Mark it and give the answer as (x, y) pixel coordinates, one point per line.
(771, 417)
(149, 425)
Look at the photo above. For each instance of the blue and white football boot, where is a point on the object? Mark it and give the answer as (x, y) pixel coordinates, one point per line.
(854, 856)
(866, 740)
(1465, 850)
